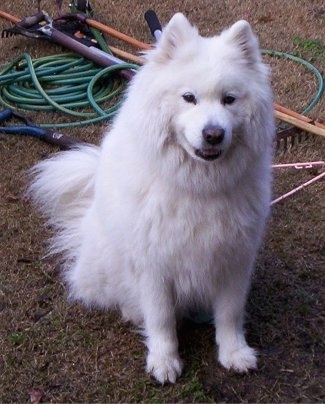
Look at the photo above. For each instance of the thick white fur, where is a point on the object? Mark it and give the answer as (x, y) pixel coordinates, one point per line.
(149, 227)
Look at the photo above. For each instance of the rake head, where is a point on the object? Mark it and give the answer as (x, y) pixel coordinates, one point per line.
(288, 137)
(32, 27)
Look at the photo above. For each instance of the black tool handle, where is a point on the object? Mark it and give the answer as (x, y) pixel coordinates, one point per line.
(153, 23)
(63, 141)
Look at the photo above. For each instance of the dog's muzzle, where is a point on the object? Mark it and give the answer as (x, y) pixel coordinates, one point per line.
(213, 136)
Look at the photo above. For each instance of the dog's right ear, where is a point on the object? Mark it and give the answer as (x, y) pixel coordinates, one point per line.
(175, 35)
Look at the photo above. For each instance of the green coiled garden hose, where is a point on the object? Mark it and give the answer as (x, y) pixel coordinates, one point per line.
(66, 83)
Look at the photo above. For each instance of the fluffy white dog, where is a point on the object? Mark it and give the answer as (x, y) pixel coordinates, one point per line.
(166, 216)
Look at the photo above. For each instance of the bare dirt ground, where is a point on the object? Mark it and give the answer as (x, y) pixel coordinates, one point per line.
(55, 351)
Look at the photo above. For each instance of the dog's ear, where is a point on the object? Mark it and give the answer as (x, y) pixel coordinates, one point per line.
(175, 35)
(241, 35)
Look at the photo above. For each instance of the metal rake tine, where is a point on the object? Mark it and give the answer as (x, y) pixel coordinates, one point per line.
(6, 33)
(289, 137)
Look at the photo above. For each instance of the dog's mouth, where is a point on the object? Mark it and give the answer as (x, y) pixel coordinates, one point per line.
(208, 154)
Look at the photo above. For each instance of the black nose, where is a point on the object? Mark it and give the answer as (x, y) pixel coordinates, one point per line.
(213, 134)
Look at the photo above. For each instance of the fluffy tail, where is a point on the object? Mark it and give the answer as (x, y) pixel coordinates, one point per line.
(62, 188)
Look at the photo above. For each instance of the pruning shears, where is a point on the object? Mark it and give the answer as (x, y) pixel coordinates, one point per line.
(29, 129)
(41, 26)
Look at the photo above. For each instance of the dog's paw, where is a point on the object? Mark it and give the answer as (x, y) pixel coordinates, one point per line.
(164, 368)
(241, 360)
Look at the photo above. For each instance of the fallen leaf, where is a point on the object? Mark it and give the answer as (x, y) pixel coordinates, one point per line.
(12, 198)
(265, 18)
(35, 395)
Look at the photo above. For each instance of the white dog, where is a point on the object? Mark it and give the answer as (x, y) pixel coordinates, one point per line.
(166, 216)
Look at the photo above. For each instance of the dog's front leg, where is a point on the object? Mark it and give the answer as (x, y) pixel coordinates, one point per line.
(163, 360)
(234, 353)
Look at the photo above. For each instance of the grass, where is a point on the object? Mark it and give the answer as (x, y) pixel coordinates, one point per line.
(17, 338)
(71, 354)
(314, 49)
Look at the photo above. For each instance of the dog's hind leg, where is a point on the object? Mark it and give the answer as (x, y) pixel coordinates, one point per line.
(95, 278)
(234, 353)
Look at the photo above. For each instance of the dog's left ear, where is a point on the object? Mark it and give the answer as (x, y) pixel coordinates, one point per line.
(241, 35)
(175, 35)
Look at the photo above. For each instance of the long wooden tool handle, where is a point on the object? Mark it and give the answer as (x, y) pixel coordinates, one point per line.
(289, 113)
(9, 17)
(308, 127)
(319, 124)
(126, 55)
(294, 114)
(113, 32)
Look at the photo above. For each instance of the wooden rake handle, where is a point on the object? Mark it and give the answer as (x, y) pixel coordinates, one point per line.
(298, 120)
(117, 34)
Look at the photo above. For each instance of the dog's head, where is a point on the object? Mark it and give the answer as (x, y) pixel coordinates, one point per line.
(210, 88)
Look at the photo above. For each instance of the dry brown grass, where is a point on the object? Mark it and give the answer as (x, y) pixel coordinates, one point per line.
(74, 355)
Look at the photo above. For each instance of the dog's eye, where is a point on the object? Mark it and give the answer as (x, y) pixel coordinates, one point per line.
(190, 98)
(228, 99)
